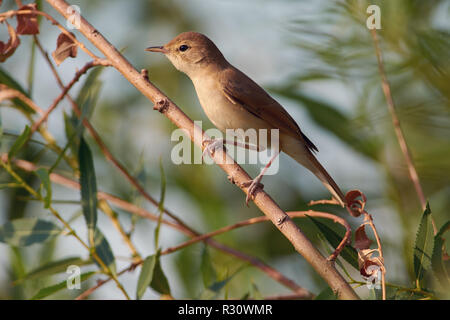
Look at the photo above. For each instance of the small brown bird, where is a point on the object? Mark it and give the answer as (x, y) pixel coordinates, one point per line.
(231, 100)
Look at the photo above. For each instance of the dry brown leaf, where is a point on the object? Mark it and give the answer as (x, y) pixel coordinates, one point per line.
(361, 239)
(7, 49)
(368, 265)
(27, 23)
(65, 48)
(356, 206)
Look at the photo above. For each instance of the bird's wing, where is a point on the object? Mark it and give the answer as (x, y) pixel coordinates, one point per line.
(259, 103)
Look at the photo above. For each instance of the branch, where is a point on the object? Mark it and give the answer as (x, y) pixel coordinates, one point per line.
(162, 103)
(398, 130)
(292, 214)
(78, 74)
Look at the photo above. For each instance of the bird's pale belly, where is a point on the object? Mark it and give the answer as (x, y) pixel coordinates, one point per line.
(223, 113)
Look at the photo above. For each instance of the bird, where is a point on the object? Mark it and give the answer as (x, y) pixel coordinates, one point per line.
(231, 100)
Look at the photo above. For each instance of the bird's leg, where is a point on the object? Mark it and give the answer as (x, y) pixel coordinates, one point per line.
(213, 144)
(255, 184)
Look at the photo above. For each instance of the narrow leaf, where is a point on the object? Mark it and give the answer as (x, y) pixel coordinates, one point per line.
(27, 231)
(53, 267)
(45, 179)
(88, 187)
(326, 294)
(422, 247)
(20, 141)
(9, 81)
(349, 253)
(208, 272)
(104, 252)
(437, 262)
(45, 292)
(159, 281)
(146, 275)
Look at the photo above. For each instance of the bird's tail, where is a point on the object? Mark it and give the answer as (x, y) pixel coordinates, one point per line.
(307, 159)
(326, 179)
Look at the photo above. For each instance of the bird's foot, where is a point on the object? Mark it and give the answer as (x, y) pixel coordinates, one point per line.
(253, 186)
(211, 145)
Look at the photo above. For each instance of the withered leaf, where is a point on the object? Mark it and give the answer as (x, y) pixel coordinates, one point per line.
(368, 265)
(7, 49)
(65, 48)
(361, 239)
(355, 205)
(27, 23)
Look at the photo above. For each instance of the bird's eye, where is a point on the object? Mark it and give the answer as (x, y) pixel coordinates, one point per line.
(183, 47)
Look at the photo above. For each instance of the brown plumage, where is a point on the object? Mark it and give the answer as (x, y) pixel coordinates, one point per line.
(231, 100)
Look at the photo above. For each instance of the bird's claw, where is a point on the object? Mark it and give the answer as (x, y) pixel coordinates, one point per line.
(211, 146)
(253, 186)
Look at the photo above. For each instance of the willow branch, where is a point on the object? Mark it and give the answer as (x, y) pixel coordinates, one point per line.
(397, 128)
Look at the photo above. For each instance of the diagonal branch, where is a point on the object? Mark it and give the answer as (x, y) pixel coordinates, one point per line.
(267, 205)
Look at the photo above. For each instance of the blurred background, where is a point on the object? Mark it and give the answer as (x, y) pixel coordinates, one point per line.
(318, 60)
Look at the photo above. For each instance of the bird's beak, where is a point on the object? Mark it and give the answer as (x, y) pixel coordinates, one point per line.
(157, 49)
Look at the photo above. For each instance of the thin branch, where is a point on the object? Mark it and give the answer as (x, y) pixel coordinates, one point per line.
(397, 128)
(78, 74)
(292, 214)
(163, 104)
(132, 208)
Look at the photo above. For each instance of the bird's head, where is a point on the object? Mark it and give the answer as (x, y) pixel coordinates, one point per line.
(190, 52)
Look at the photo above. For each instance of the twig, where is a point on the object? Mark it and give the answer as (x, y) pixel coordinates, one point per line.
(398, 130)
(104, 206)
(369, 221)
(292, 214)
(279, 218)
(78, 74)
(7, 93)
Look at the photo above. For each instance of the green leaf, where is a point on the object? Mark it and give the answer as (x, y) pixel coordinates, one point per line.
(208, 272)
(89, 91)
(437, 261)
(326, 294)
(53, 267)
(7, 80)
(423, 245)
(160, 204)
(20, 141)
(349, 253)
(45, 292)
(104, 252)
(27, 231)
(45, 179)
(88, 187)
(146, 275)
(159, 281)
(213, 290)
